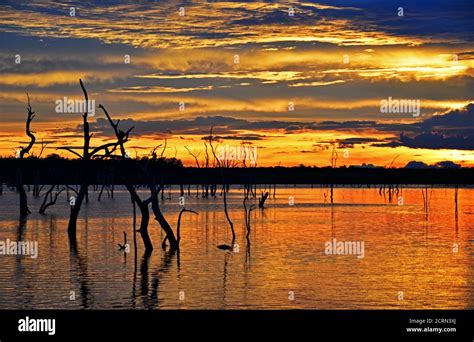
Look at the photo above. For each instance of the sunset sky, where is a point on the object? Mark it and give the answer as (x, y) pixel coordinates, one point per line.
(241, 67)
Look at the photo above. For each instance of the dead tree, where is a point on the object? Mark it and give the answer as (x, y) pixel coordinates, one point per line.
(88, 153)
(36, 187)
(24, 211)
(223, 165)
(194, 155)
(159, 217)
(178, 227)
(205, 187)
(248, 211)
(101, 192)
(49, 196)
(143, 205)
(333, 166)
(456, 190)
(206, 159)
(426, 200)
(262, 199)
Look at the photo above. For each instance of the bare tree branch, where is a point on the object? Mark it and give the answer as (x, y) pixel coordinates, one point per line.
(43, 146)
(72, 189)
(29, 133)
(178, 232)
(194, 155)
(70, 150)
(164, 148)
(52, 201)
(102, 147)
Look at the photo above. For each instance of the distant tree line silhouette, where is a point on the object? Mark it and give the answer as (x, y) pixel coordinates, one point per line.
(56, 170)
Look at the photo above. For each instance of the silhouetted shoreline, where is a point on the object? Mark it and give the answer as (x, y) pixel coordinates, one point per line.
(171, 171)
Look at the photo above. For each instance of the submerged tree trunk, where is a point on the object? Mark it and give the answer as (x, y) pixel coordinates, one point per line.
(231, 224)
(143, 230)
(332, 193)
(87, 155)
(75, 209)
(145, 216)
(261, 201)
(456, 190)
(155, 206)
(24, 211)
(248, 211)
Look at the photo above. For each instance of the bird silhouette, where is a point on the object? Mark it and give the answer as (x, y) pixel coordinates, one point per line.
(225, 247)
(122, 247)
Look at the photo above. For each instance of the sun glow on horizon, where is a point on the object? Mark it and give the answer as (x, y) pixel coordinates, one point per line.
(293, 86)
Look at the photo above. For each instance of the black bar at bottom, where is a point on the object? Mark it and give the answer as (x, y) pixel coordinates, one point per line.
(422, 325)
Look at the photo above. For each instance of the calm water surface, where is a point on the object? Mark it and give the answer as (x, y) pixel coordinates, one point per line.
(405, 252)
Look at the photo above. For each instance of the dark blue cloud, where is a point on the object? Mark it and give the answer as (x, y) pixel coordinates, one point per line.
(439, 165)
(452, 130)
(427, 18)
(435, 140)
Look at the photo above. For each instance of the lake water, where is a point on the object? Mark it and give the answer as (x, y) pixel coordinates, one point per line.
(411, 260)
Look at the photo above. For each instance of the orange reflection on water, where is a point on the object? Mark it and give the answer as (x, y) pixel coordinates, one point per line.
(426, 257)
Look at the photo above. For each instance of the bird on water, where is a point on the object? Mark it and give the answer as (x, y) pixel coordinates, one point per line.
(122, 247)
(225, 247)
